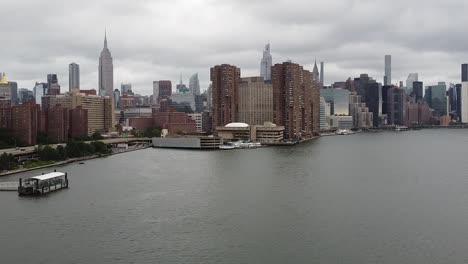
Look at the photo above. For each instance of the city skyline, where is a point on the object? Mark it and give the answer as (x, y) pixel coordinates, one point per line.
(143, 61)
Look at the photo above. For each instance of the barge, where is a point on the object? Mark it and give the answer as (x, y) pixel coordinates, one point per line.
(43, 184)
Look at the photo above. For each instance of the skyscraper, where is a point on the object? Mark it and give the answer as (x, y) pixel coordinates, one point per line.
(73, 76)
(396, 106)
(194, 84)
(464, 102)
(322, 73)
(126, 88)
(225, 84)
(164, 89)
(388, 70)
(418, 90)
(437, 98)
(315, 73)
(266, 63)
(106, 71)
(464, 74)
(53, 88)
(412, 77)
(296, 101)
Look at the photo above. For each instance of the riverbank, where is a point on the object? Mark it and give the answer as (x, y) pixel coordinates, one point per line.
(69, 161)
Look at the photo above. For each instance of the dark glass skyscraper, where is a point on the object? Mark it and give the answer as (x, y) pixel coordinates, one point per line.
(458, 89)
(369, 90)
(418, 90)
(385, 89)
(436, 96)
(464, 72)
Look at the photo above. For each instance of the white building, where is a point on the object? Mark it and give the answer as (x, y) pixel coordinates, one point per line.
(155, 92)
(341, 122)
(464, 102)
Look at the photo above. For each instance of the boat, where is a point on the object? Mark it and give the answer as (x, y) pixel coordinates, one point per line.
(81, 163)
(43, 184)
(226, 147)
(343, 132)
(401, 128)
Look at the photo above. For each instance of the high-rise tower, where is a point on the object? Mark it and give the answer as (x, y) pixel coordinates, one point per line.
(315, 73)
(267, 62)
(194, 84)
(388, 70)
(106, 71)
(73, 76)
(322, 73)
(225, 85)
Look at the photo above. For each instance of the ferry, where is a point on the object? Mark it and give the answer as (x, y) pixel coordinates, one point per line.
(43, 184)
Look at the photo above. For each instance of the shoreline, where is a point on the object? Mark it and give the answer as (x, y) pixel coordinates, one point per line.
(65, 162)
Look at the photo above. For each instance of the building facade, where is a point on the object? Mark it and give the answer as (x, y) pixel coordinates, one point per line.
(396, 106)
(338, 99)
(324, 114)
(464, 102)
(25, 122)
(225, 84)
(99, 108)
(296, 101)
(436, 96)
(464, 72)
(255, 101)
(78, 122)
(57, 124)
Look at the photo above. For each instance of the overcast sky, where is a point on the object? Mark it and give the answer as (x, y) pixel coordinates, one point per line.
(159, 39)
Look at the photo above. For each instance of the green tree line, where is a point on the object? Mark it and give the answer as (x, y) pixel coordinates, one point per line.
(73, 149)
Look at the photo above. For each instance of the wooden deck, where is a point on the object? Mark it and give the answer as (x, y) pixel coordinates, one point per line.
(9, 186)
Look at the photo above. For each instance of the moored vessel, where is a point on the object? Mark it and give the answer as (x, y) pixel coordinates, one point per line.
(42, 184)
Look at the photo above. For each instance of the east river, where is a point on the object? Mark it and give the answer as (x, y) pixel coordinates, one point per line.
(391, 197)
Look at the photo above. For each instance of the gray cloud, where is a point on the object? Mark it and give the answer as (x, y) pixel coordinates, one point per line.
(152, 40)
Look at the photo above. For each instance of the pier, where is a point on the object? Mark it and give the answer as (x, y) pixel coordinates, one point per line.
(9, 186)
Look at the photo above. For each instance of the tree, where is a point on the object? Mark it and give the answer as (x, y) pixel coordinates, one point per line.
(97, 136)
(42, 138)
(153, 132)
(7, 139)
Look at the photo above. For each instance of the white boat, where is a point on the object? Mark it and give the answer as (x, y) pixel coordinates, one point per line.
(226, 147)
(401, 128)
(343, 132)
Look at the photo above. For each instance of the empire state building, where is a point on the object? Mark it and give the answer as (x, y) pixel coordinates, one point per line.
(106, 71)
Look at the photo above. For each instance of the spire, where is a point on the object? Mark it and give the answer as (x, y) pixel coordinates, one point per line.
(4, 79)
(181, 78)
(105, 38)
